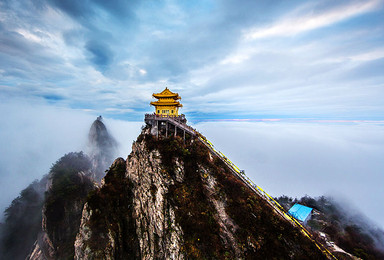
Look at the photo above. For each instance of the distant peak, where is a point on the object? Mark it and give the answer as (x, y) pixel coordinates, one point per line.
(102, 147)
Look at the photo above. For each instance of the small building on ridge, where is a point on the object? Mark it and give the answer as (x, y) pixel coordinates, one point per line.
(300, 212)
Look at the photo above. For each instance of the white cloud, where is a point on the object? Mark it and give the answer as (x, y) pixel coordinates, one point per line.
(301, 23)
(119, 110)
(239, 56)
(368, 56)
(29, 35)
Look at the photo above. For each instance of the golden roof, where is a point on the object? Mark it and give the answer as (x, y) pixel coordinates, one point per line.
(166, 103)
(166, 93)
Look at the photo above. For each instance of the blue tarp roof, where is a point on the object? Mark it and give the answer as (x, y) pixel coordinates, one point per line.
(299, 212)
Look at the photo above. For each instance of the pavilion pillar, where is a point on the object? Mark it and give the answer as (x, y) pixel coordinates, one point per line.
(166, 129)
(157, 134)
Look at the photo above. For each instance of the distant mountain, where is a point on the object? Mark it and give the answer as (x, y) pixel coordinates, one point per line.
(102, 148)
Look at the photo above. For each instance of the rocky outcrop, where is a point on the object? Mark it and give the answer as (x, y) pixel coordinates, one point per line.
(150, 218)
(154, 213)
(171, 200)
(107, 229)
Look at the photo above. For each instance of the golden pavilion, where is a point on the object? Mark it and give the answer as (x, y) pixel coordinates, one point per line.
(167, 104)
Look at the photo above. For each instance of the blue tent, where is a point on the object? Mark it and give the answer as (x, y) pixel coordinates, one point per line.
(300, 212)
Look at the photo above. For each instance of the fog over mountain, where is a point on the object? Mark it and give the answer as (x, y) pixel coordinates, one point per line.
(34, 135)
(284, 157)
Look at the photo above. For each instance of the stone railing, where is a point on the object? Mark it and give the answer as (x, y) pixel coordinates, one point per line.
(180, 121)
(181, 118)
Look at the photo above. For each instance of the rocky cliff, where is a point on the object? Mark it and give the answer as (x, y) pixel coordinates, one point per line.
(171, 200)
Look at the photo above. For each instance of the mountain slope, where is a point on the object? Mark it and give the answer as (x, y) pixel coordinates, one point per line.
(171, 199)
(176, 200)
(22, 222)
(68, 185)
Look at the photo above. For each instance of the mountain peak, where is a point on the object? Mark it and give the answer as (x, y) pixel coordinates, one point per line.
(102, 148)
(179, 201)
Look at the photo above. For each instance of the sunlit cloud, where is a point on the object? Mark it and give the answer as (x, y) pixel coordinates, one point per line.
(306, 120)
(118, 110)
(303, 22)
(368, 56)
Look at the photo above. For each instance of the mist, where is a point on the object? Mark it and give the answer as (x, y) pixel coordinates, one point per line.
(35, 135)
(353, 216)
(341, 160)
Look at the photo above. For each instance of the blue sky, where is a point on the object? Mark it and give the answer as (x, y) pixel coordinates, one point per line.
(227, 59)
(314, 67)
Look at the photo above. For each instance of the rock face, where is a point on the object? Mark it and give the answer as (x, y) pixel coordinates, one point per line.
(130, 216)
(171, 200)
